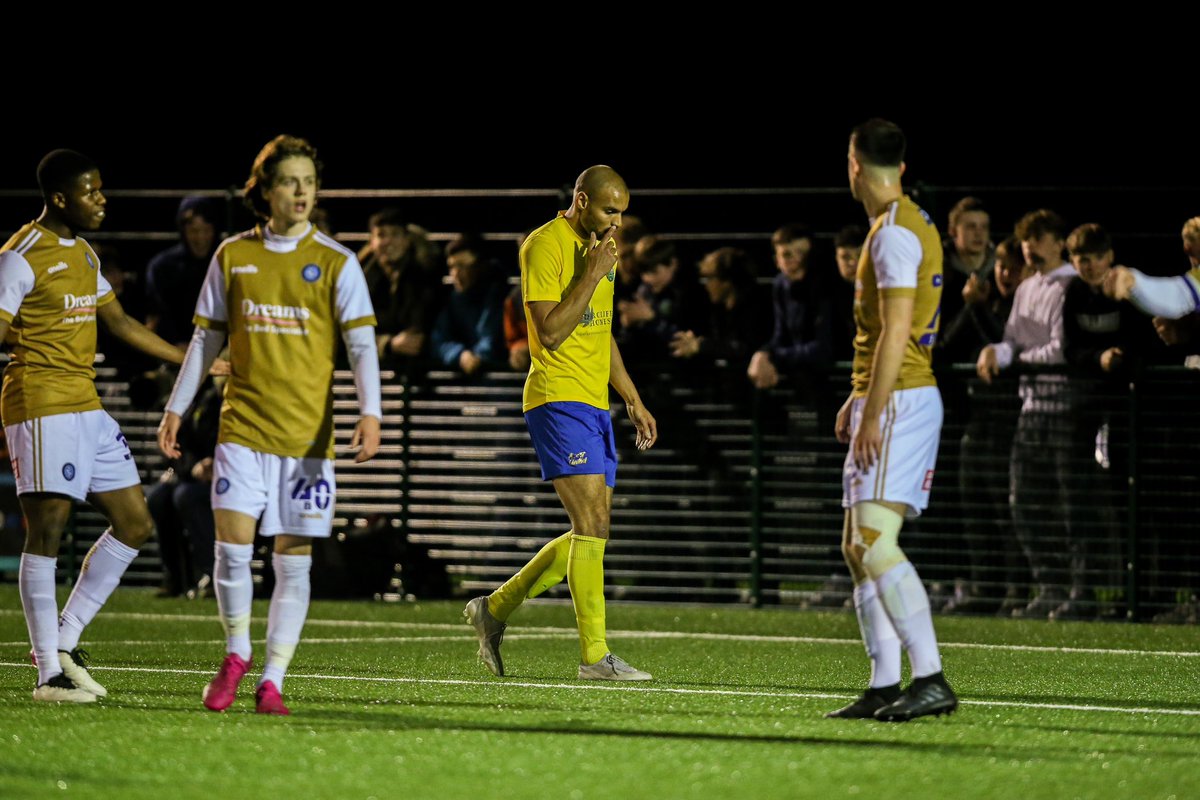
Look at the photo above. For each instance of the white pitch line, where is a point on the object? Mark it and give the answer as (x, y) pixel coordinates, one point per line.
(702, 636)
(509, 684)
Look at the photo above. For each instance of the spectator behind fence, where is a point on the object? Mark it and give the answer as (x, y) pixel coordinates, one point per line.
(970, 257)
(469, 331)
(404, 282)
(180, 503)
(516, 331)
(669, 300)
(1042, 491)
(997, 569)
(174, 276)
(1104, 338)
(847, 248)
(803, 312)
(739, 313)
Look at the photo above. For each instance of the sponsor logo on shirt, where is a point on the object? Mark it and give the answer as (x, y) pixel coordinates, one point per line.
(244, 269)
(79, 307)
(577, 459)
(272, 318)
(59, 267)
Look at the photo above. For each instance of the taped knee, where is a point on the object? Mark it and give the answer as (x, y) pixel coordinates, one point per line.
(877, 530)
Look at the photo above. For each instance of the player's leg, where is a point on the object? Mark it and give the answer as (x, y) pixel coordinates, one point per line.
(903, 478)
(44, 452)
(299, 509)
(238, 498)
(878, 634)
(46, 517)
(292, 562)
(130, 526)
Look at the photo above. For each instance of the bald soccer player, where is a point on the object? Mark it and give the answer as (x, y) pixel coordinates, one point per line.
(567, 271)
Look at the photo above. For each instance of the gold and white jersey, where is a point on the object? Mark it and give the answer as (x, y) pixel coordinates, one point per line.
(283, 302)
(50, 289)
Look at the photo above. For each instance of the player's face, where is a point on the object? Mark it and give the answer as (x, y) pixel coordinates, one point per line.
(847, 262)
(198, 234)
(294, 192)
(792, 258)
(389, 243)
(82, 205)
(1045, 250)
(972, 232)
(1092, 267)
(601, 212)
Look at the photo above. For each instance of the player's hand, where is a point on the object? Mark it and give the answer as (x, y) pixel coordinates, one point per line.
(868, 442)
(1168, 330)
(168, 431)
(841, 426)
(220, 367)
(602, 253)
(1118, 283)
(647, 428)
(365, 439)
(987, 367)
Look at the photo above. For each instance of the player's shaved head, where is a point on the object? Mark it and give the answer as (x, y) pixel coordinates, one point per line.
(595, 180)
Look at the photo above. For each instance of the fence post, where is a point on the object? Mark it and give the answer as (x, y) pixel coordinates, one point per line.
(1132, 562)
(756, 499)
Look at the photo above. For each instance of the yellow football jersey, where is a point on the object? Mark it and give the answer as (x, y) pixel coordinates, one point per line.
(925, 287)
(578, 370)
(50, 289)
(283, 303)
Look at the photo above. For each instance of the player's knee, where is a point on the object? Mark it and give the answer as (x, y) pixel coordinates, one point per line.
(594, 523)
(134, 532)
(877, 531)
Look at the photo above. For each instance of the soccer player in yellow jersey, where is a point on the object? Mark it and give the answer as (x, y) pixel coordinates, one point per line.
(892, 421)
(63, 446)
(567, 271)
(282, 293)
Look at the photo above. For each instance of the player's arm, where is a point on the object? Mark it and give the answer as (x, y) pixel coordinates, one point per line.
(1172, 297)
(137, 335)
(16, 281)
(897, 255)
(207, 341)
(896, 314)
(554, 321)
(356, 316)
(643, 420)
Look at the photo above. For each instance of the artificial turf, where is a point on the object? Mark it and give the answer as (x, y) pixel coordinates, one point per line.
(389, 701)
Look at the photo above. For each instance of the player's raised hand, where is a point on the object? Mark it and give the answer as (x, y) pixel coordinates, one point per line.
(602, 252)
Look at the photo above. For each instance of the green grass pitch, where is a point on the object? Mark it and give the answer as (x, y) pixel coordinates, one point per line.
(389, 701)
